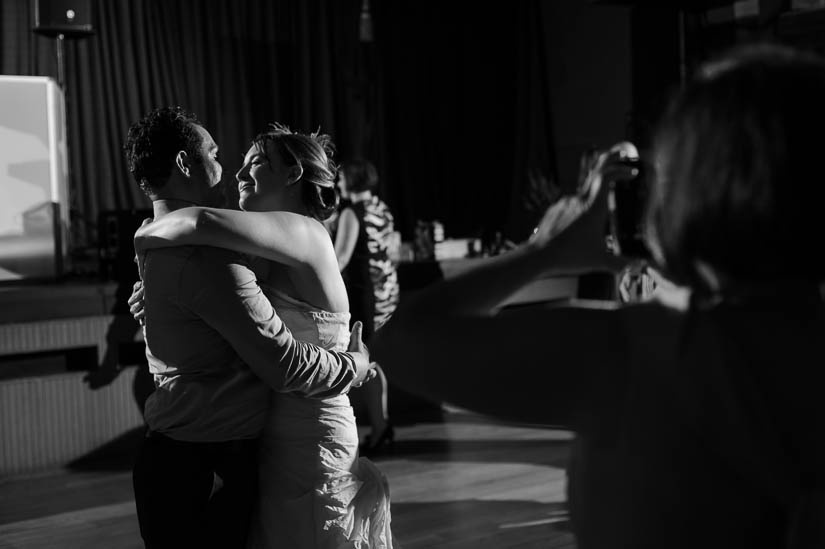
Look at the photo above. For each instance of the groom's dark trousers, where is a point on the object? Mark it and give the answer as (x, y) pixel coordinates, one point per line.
(195, 494)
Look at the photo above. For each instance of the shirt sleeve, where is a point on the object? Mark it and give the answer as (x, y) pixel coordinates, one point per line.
(227, 297)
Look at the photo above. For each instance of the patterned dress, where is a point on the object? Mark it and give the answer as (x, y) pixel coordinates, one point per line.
(370, 275)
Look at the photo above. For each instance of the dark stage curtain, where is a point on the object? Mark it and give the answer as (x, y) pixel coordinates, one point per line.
(237, 64)
(451, 99)
(467, 115)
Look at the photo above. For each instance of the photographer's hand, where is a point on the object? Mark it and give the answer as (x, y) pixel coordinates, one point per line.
(575, 224)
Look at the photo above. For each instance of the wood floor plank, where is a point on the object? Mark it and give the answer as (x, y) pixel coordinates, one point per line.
(464, 483)
(36, 496)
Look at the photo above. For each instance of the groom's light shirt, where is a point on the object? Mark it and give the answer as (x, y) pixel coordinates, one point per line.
(217, 348)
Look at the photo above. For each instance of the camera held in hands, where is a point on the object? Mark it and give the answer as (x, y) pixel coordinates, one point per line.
(627, 203)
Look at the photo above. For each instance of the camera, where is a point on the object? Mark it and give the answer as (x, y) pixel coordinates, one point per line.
(627, 203)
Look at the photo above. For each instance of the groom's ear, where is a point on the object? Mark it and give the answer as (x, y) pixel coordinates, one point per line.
(182, 162)
(295, 173)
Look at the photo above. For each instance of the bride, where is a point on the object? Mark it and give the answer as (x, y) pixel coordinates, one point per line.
(315, 491)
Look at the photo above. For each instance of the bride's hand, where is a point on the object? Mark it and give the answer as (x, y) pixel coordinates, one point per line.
(136, 305)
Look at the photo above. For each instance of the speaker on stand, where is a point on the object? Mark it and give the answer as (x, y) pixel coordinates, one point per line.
(62, 20)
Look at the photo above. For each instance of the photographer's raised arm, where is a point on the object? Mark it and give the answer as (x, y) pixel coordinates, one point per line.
(537, 364)
(569, 240)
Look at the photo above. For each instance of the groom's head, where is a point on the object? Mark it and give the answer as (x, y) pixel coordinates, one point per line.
(171, 155)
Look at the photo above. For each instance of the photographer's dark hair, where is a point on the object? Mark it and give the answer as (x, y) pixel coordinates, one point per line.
(314, 152)
(155, 140)
(360, 175)
(740, 179)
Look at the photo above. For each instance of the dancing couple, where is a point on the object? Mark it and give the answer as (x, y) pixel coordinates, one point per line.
(251, 440)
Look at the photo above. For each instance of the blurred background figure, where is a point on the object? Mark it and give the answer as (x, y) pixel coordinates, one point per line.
(700, 392)
(366, 245)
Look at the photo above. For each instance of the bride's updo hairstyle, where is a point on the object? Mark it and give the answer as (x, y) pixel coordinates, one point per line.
(314, 153)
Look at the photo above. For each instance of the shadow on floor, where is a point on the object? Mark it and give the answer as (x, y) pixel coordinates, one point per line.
(116, 455)
(553, 453)
(482, 524)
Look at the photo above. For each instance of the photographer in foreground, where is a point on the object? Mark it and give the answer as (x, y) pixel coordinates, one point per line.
(700, 423)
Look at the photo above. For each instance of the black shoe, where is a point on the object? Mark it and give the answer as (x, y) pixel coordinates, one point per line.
(384, 444)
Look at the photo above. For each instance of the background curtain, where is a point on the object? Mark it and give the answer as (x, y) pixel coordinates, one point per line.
(237, 65)
(449, 100)
(466, 114)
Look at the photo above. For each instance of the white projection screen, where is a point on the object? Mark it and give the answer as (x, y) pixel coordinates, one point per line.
(34, 212)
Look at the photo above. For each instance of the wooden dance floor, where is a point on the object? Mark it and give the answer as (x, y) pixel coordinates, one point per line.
(462, 483)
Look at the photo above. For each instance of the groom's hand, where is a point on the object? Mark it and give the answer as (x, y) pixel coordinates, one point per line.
(364, 369)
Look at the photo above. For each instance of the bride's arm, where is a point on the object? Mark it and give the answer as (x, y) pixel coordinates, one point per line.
(283, 237)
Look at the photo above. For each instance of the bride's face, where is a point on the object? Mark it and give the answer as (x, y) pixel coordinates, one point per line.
(263, 180)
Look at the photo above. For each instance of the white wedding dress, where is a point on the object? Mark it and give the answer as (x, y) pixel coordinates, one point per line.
(315, 492)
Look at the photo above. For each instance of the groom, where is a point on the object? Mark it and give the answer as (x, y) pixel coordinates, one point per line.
(216, 349)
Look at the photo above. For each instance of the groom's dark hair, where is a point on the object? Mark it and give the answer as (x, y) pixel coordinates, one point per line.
(154, 141)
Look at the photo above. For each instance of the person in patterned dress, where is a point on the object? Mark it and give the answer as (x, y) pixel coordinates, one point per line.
(365, 242)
